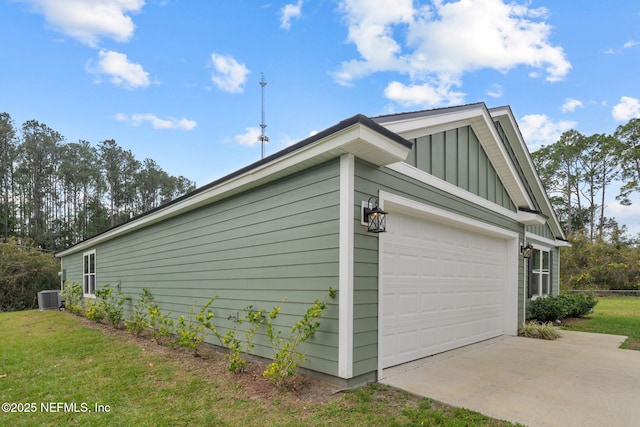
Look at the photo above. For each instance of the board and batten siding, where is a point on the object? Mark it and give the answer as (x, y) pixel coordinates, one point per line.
(542, 230)
(370, 180)
(514, 159)
(457, 157)
(278, 241)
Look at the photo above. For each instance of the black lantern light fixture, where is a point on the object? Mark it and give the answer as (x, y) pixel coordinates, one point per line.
(376, 218)
(527, 251)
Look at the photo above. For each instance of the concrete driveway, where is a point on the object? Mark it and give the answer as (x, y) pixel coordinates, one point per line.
(581, 379)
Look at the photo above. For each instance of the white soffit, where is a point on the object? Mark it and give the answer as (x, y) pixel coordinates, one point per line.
(530, 218)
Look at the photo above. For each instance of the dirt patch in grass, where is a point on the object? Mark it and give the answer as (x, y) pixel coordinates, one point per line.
(633, 345)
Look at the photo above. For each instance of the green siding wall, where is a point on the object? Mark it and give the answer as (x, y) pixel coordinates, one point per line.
(273, 242)
(457, 157)
(369, 180)
(541, 230)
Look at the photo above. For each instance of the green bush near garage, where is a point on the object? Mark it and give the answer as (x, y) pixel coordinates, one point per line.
(553, 308)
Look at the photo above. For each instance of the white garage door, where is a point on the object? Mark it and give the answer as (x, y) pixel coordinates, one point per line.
(442, 287)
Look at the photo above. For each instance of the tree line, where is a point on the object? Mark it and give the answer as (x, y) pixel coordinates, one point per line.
(56, 193)
(581, 173)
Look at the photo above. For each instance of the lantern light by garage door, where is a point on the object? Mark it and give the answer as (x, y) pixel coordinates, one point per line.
(376, 218)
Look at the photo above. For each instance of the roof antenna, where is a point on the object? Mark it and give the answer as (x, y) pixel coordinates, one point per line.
(262, 138)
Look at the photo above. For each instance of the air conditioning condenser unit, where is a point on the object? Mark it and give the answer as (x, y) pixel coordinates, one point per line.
(49, 300)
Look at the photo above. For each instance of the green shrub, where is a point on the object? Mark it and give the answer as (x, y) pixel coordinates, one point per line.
(72, 294)
(553, 308)
(162, 326)
(94, 311)
(112, 304)
(289, 353)
(139, 320)
(23, 273)
(545, 331)
(190, 334)
(237, 349)
(578, 305)
(547, 309)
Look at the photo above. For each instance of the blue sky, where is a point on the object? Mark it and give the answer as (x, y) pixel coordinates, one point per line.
(179, 80)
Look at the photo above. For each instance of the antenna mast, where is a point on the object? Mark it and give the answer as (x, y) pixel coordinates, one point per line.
(263, 138)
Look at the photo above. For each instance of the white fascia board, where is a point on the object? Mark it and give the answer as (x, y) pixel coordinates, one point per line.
(356, 139)
(481, 122)
(530, 218)
(415, 127)
(514, 131)
(551, 242)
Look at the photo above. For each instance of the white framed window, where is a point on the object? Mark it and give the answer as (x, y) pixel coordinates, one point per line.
(89, 274)
(540, 272)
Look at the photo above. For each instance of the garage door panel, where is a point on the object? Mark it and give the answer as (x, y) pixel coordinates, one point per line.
(442, 288)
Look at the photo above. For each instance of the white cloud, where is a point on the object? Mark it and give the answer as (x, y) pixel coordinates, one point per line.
(627, 215)
(570, 105)
(229, 75)
(627, 45)
(538, 130)
(249, 137)
(289, 12)
(90, 20)
(443, 41)
(156, 122)
(120, 70)
(495, 91)
(628, 108)
(370, 25)
(424, 95)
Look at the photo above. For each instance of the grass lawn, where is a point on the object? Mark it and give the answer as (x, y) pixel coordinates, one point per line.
(612, 315)
(59, 367)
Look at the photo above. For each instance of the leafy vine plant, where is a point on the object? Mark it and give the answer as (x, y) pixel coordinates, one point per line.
(111, 303)
(162, 326)
(289, 352)
(139, 320)
(73, 298)
(190, 334)
(237, 349)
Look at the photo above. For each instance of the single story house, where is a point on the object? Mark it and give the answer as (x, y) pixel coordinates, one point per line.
(470, 238)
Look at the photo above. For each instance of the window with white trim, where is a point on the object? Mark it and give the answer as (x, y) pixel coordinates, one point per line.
(89, 274)
(540, 269)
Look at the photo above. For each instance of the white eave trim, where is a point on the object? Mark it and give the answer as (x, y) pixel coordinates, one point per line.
(357, 139)
(545, 240)
(531, 218)
(505, 112)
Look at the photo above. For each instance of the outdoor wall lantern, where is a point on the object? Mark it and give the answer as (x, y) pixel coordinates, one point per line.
(526, 251)
(376, 218)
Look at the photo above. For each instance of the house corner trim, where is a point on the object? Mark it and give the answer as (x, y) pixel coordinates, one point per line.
(345, 269)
